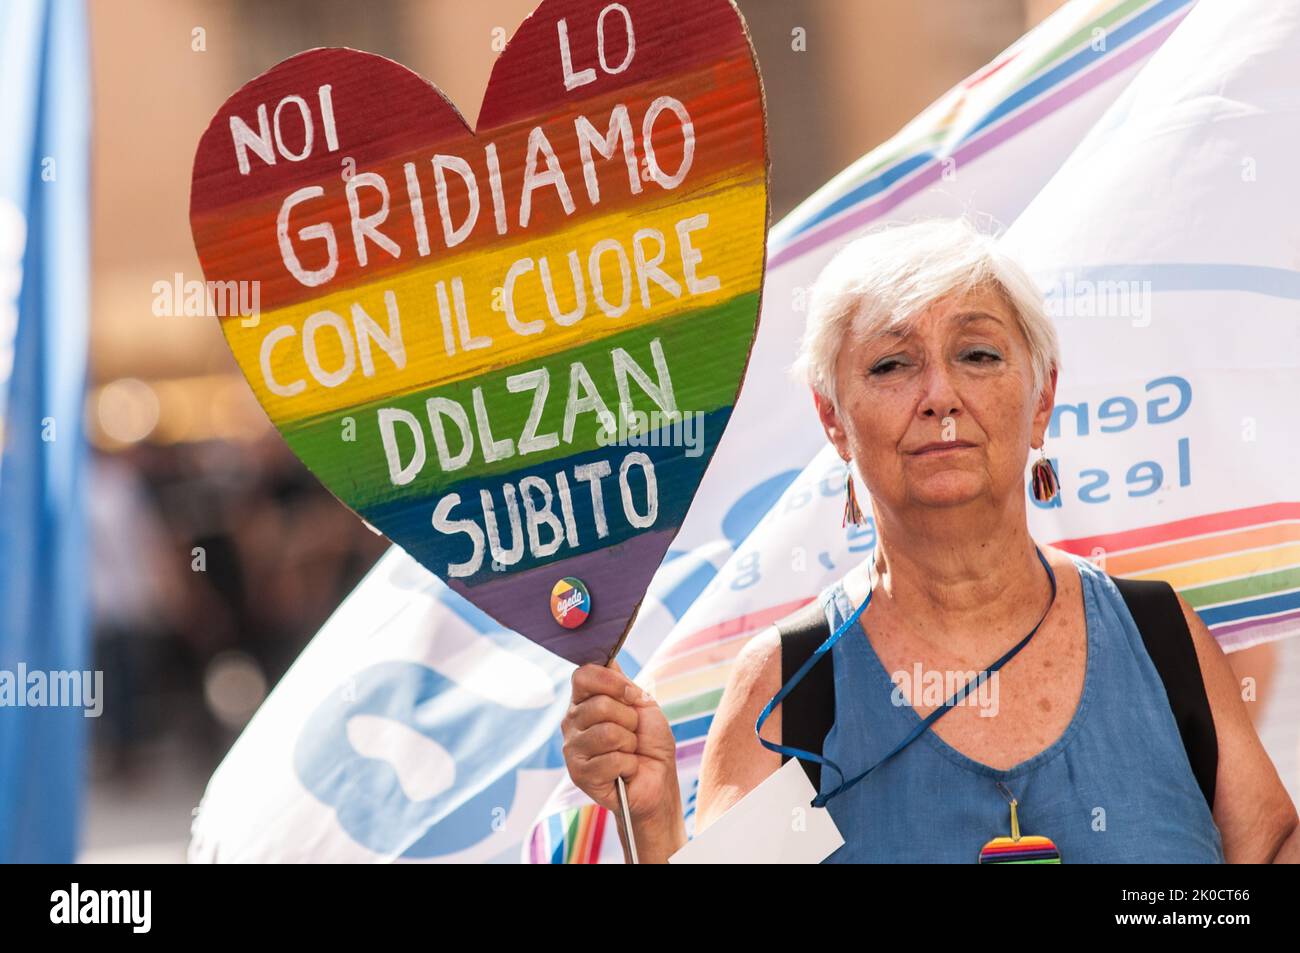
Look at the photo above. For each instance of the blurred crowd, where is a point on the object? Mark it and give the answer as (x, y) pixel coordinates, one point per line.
(213, 564)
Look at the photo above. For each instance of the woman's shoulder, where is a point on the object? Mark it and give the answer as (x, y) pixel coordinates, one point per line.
(760, 657)
(823, 602)
(1063, 561)
(1062, 558)
(1102, 583)
(1075, 577)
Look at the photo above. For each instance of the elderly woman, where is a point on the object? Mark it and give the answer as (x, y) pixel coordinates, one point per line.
(933, 368)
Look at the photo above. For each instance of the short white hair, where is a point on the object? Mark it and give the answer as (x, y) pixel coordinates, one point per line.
(894, 272)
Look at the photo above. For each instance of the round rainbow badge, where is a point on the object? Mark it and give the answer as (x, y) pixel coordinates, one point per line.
(570, 602)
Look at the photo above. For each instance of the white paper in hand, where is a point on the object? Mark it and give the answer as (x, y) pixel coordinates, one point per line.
(772, 824)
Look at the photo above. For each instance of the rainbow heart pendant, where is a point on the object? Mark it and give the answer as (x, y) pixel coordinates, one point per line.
(1026, 850)
(512, 349)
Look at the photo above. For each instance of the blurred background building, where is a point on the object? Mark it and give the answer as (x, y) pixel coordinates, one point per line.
(216, 554)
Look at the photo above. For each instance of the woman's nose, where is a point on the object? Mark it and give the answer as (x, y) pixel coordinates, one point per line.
(939, 397)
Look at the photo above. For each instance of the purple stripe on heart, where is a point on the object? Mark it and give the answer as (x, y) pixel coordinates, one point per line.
(615, 577)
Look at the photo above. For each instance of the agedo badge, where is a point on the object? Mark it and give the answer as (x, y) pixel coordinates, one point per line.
(570, 602)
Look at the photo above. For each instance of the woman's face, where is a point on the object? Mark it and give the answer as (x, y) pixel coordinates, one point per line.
(959, 375)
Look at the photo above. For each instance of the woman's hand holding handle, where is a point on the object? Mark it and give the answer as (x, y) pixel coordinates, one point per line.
(613, 729)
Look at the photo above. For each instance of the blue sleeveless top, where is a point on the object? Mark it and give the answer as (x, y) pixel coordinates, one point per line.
(1115, 787)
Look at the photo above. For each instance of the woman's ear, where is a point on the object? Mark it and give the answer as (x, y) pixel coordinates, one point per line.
(1043, 413)
(830, 419)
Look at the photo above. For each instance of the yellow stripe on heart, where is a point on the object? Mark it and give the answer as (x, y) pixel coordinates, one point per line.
(724, 248)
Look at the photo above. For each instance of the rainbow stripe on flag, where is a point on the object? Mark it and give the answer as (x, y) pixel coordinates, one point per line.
(1055, 63)
(1239, 569)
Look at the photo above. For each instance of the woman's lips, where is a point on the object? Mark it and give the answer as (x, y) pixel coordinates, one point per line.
(947, 448)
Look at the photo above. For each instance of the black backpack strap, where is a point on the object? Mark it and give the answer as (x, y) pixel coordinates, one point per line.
(808, 712)
(1159, 617)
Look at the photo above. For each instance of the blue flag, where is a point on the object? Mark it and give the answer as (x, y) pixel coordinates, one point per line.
(44, 156)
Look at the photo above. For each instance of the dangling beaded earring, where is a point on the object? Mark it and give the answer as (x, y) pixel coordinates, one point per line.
(1046, 484)
(852, 512)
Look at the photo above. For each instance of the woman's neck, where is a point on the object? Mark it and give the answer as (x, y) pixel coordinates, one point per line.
(961, 574)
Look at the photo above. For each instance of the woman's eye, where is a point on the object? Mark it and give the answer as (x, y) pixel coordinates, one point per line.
(885, 366)
(983, 357)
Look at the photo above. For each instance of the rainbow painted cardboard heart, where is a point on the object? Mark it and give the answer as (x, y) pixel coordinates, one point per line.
(511, 350)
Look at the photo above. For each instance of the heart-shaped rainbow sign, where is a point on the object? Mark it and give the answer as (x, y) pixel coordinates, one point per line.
(511, 350)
